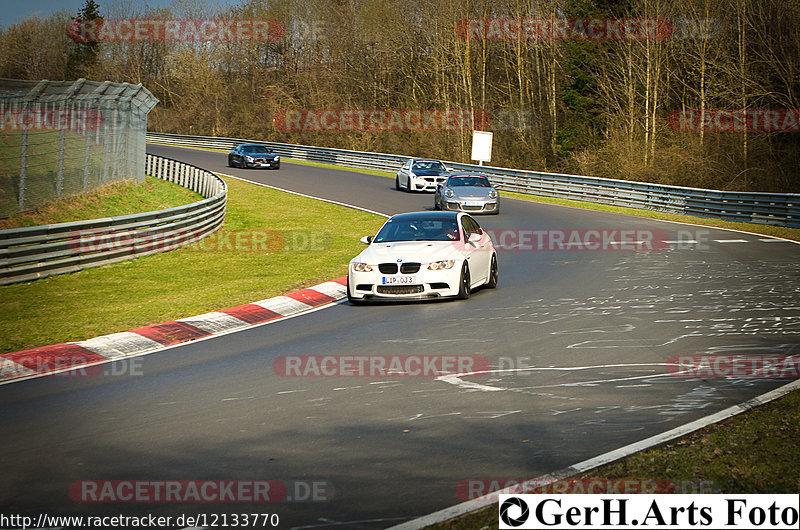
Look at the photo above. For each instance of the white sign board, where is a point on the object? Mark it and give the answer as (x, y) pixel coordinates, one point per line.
(482, 146)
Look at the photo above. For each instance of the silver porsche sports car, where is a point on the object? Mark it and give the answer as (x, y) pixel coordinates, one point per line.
(467, 192)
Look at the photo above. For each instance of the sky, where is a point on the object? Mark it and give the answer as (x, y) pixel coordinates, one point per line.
(13, 11)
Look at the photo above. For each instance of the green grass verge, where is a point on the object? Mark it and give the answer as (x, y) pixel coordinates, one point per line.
(42, 163)
(119, 198)
(271, 243)
(754, 452)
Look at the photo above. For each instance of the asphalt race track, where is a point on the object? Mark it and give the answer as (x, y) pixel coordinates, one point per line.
(579, 343)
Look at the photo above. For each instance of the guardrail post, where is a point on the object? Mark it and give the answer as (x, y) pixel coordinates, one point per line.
(23, 169)
(87, 162)
(60, 175)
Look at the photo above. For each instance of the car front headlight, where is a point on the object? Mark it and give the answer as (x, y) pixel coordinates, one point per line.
(441, 265)
(448, 192)
(248, 158)
(277, 158)
(362, 267)
(492, 194)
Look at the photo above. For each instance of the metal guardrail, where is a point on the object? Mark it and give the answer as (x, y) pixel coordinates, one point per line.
(35, 252)
(781, 209)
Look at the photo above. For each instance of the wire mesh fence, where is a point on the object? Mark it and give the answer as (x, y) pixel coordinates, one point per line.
(63, 137)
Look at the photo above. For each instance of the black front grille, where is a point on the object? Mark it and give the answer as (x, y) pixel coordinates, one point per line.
(388, 268)
(400, 289)
(409, 268)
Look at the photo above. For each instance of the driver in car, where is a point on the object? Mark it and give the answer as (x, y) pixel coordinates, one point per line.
(451, 231)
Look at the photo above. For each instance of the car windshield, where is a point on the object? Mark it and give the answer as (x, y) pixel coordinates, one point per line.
(429, 165)
(481, 182)
(418, 229)
(257, 149)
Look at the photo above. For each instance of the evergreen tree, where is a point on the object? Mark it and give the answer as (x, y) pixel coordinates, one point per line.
(83, 56)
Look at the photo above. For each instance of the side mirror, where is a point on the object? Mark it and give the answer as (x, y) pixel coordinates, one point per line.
(366, 240)
(474, 237)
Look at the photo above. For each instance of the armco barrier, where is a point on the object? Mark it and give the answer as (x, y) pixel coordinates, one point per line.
(35, 252)
(781, 209)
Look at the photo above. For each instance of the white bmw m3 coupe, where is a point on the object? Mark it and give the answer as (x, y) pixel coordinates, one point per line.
(421, 255)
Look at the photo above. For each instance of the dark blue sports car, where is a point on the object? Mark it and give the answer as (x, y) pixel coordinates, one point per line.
(253, 155)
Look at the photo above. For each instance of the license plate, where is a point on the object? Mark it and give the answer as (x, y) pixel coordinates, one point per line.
(472, 203)
(398, 280)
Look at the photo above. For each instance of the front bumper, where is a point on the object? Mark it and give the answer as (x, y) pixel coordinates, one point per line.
(425, 183)
(269, 164)
(488, 207)
(426, 284)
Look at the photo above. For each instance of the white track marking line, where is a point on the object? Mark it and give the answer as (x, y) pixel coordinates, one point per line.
(354, 207)
(606, 458)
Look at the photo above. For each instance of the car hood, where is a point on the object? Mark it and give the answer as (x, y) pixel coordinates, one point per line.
(471, 192)
(414, 251)
(261, 155)
(428, 172)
